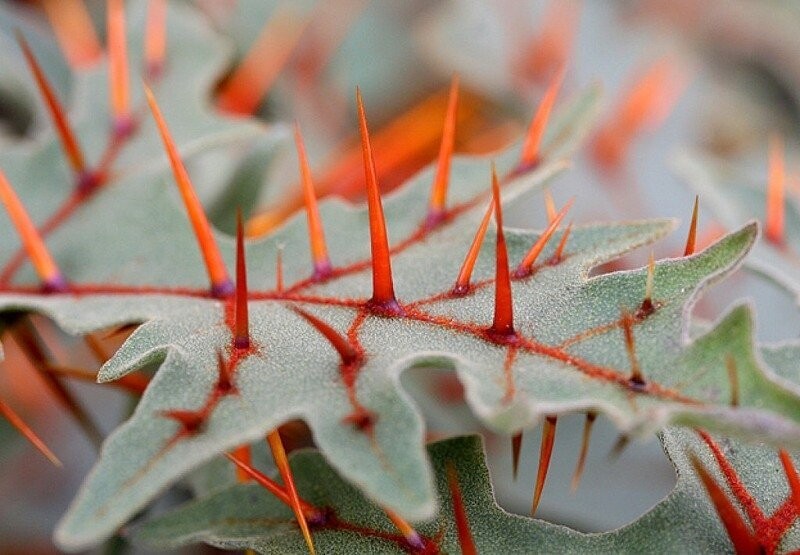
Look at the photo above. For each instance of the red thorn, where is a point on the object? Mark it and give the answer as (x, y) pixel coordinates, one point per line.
(221, 285)
(118, 67)
(383, 297)
(346, 351)
(241, 336)
(691, 238)
(243, 454)
(465, 541)
(250, 82)
(15, 420)
(43, 263)
(516, 450)
(545, 452)
(279, 456)
(462, 285)
(736, 527)
(533, 140)
(774, 226)
(68, 141)
(191, 421)
(155, 38)
(733, 378)
(792, 477)
(412, 537)
(74, 31)
(559, 253)
(526, 266)
(438, 200)
(313, 514)
(503, 324)
(591, 416)
(636, 380)
(319, 250)
(225, 371)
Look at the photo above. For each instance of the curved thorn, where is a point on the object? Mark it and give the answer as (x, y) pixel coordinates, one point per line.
(591, 416)
(462, 285)
(526, 266)
(16, 421)
(241, 336)
(74, 31)
(516, 450)
(49, 274)
(65, 133)
(691, 238)
(118, 66)
(438, 200)
(738, 531)
(533, 140)
(316, 234)
(774, 225)
(791, 477)
(346, 351)
(279, 456)
(545, 453)
(465, 541)
(562, 243)
(412, 537)
(382, 286)
(221, 285)
(503, 323)
(155, 39)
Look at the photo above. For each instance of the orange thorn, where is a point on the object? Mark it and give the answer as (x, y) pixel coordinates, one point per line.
(591, 416)
(221, 285)
(691, 239)
(279, 269)
(74, 31)
(465, 541)
(244, 455)
(118, 67)
(738, 531)
(545, 452)
(155, 38)
(43, 263)
(774, 226)
(503, 324)
(792, 477)
(346, 351)
(533, 140)
(68, 141)
(462, 285)
(411, 535)
(312, 514)
(252, 79)
(516, 449)
(383, 297)
(556, 258)
(438, 200)
(279, 455)
(319, 251)
(15, 420)
(549, 206)
(241, 336)
(733, 378)
(526, 266)
(636, 379)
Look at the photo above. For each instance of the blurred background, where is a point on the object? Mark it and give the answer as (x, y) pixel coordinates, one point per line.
(715, 78)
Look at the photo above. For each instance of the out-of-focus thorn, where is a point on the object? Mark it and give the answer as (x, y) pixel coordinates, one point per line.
(733, 379)
(739, 533)
(438, 201)
(691, 238)
(562, 243)
(503, 323)
(545, 453)
(279, 269)
(550, 48)
(526, 266)
(550, 206)
(619, 447)
(15, 420)
(49, 274)
(412, 537)
(243, 454)
(241, 336)
(221, 285)
(383, 297)
(792, 477)
(279, 455)
(531, 148)
(68, 141)
(74, 31)
(465, 541)
(316, 234)
(250, 82)
(155, 39)
(776, 196)
(516, 451)
(118, 68)
(591, 416)
(462, 285)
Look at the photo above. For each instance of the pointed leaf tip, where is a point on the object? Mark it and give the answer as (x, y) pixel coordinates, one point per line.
(691, 238)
